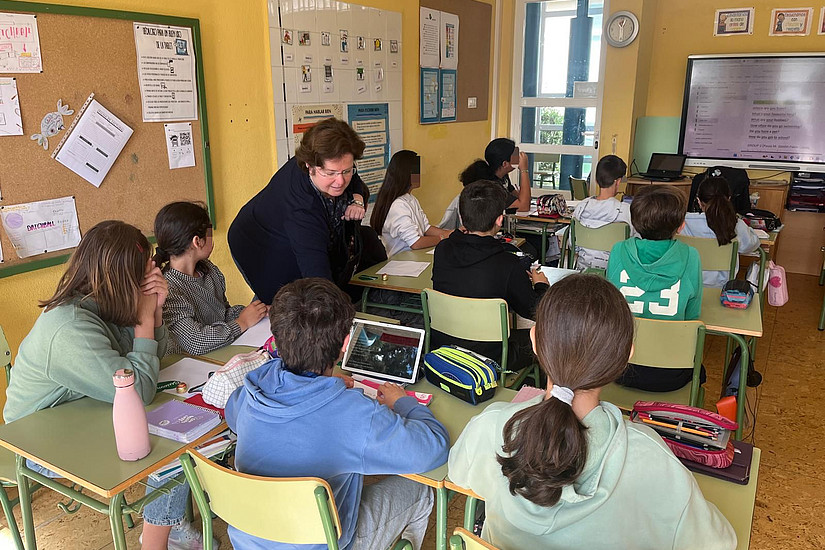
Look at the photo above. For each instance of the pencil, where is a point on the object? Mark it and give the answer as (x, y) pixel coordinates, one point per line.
(676, 427)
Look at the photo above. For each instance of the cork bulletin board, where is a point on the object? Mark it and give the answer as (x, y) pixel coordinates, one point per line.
(93, 51)
(474, 38)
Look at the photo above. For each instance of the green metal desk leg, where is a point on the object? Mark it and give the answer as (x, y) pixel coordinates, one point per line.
(25, 503)
(441, 501)
(116, 521)
(364, 299)
(470, 513)
(543, 245)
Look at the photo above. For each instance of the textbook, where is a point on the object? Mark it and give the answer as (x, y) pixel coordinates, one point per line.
(181, 421)
(212, 448)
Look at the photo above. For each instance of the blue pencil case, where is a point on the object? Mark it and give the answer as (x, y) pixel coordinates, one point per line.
(736, 294)
(463, 373)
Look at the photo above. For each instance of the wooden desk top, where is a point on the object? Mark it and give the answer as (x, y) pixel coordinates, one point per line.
(411, 285)
(747, 322)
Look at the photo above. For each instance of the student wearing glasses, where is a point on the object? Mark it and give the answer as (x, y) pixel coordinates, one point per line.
(306, 221)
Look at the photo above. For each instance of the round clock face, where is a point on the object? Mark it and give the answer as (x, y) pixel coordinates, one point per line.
(622, 28)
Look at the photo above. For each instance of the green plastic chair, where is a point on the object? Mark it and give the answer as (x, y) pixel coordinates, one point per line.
(713, 256)
(666, 345)
(462, 539)
(296, 510)
(476, 319)
(600, 238)
(8, 472)
(578, 187)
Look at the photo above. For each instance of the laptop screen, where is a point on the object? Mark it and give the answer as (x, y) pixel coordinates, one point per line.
(666, 162)
(384, 351)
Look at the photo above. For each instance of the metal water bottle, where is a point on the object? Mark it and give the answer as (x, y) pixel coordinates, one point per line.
(129, 418)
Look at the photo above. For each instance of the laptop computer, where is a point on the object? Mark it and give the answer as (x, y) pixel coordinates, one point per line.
(665, 167)
(385, 352)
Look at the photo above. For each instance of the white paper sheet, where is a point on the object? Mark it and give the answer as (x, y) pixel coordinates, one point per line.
(19, 44)
(449, 40)
(556, 274)
(192, 371)
(166, 73)
(179, 146)
(256, 335)
(42, 226)
(761, 233)
(10, 122)
(429, 21)
(94, 144)
(404, 268)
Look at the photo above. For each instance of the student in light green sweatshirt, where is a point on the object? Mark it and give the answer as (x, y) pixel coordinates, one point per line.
(660, 277)
(565, 470)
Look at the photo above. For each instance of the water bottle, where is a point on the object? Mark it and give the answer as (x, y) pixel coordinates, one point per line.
(129, 418)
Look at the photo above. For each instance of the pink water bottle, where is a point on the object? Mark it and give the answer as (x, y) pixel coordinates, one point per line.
(129, 418)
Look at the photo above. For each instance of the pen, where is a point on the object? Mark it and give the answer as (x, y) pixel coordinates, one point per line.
(367, 278)
(672, 427)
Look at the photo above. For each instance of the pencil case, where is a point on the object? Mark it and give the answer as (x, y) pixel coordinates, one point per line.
(690, 432)
(463, 373)
(736, 294)
(229, 377)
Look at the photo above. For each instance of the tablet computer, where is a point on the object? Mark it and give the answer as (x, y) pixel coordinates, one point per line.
(383, 351)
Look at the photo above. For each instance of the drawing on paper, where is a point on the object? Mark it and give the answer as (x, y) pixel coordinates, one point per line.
(344, 40)
(286, 37)
(359, 73)
(324, 38)
(377, 44)
(303, 38)
(393, 46)
(306, 73)
(51, 124)
(362, 43)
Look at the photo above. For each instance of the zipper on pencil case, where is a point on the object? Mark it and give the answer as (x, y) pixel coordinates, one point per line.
(452, 357)
(477, 367)
(448, 379)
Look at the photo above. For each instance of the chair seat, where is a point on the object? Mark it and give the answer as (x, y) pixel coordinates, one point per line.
(625, 397)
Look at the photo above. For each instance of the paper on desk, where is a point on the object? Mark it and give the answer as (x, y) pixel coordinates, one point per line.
(190, 370)
(255, 336)
(531, 212)
(404, 268)
(761, 233)
(556, 274)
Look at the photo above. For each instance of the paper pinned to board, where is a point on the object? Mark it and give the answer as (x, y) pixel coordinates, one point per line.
(429, 26)
(449, 40)
(10, 122)
(404, 268)
(256, 335)
(179, 146)
(20, 44)
(93, 144)
(43, 226)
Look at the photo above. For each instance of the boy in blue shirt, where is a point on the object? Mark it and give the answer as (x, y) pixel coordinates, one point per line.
(294, 419)
(660, 277)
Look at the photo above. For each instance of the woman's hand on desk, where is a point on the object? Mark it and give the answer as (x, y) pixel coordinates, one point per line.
(389, 393)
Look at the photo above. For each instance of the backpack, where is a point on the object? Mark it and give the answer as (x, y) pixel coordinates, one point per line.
(737, 180)
(777, 285)
(761, 219)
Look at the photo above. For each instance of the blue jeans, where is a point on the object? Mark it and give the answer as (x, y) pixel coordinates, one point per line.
(167, 509)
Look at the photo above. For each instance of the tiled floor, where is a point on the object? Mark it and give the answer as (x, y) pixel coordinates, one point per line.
(789, 504)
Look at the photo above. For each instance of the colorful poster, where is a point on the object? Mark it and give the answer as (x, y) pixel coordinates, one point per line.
(19, 44)
(448, 96)
(166, 73)
(305, 117)
(372, 122)
(10, 121)
(430, 98)
(43, 226)
(179, 146)
(791, 21)
(429, 21)
(449, 41)
(733, 21)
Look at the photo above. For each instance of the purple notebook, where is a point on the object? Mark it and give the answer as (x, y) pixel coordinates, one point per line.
(181, 421)
(738, 472)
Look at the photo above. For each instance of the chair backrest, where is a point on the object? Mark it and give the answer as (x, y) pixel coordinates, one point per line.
(668, 344)
(713, 256)
(5, 355)
(286, 510)
(600, 238)
(478, 319)
(578, 186)
(465, 540)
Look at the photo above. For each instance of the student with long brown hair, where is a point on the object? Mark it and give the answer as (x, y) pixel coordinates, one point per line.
(565, 470)
(106, 315)
(718, 220)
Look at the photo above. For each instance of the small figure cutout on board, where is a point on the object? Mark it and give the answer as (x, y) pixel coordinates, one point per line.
(286, 38)
(362, 43)
(51, 124)
(324, 38)
(393, 46)
(359, 73)
(344, 40)
(303, 38)
(306, 73)
(377, 44)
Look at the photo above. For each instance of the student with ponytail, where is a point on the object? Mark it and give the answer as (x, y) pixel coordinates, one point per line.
(718, 220)
(565, 470)
(197, 312)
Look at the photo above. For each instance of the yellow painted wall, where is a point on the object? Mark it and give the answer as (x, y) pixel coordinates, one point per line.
(237, 72)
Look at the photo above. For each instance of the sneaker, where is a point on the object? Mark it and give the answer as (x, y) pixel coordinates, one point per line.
(185, 537)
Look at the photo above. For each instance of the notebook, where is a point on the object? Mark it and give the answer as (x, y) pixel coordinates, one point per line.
(181, 421)
(665, 167)
(384, 352)
(738, 472)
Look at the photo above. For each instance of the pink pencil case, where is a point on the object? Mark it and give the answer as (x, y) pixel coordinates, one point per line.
(690, 432)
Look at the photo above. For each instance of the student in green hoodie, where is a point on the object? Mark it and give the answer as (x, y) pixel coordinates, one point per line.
(565, 470)
(660, 277)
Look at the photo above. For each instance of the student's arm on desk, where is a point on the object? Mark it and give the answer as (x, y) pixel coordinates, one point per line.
(89, 368)
(194, 337)
(521, 296)
(406, 440)
(702, 525)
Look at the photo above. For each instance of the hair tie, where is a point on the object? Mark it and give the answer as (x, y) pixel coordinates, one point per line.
(565, 395)
(139, 247)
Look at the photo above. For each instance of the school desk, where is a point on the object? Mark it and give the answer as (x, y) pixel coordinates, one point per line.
(76, 440)
(545, 227)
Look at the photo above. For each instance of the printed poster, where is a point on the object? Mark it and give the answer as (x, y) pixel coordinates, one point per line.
(430, 98)
(791, 22)
(429, 23)
(733, 21)
(179, 147)
(305, 117)
(10, 122)
(43, 226)
(166, 73)
(449, 41)
(448, 96)
(372, 122)
(19, 44)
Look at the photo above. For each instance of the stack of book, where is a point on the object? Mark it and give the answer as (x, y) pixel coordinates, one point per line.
(181, 421)
(209, 449)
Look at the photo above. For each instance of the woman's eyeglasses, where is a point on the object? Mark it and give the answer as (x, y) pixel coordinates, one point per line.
(348, 173)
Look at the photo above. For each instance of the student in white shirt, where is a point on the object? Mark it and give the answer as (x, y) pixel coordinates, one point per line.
(598, 211)
(718, 220)
(397, 215)
(478, 170)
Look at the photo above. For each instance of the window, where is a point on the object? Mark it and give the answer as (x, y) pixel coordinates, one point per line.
(556, 107)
